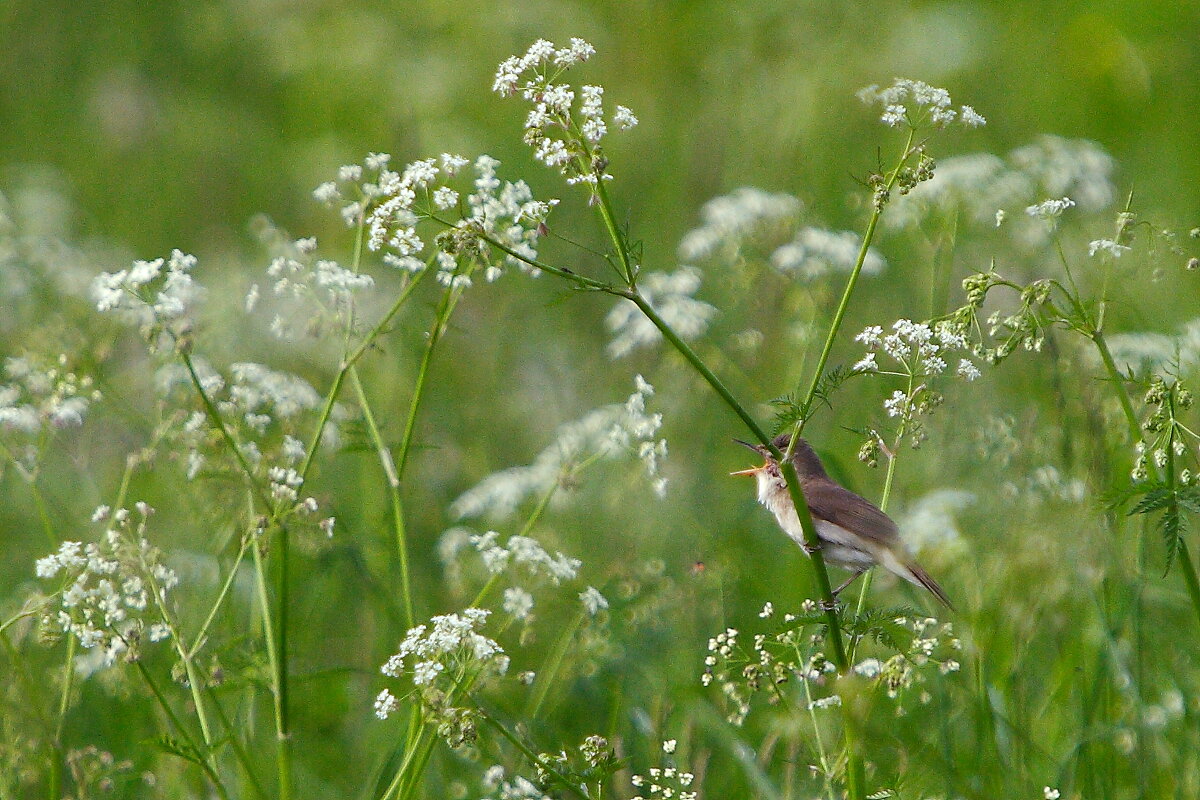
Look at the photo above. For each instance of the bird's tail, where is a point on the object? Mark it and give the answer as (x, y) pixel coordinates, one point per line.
(914, 574)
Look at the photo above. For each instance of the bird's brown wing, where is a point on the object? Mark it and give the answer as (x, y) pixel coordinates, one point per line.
(844, 508)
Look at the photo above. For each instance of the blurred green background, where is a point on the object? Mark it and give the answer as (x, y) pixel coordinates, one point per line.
(128, 129)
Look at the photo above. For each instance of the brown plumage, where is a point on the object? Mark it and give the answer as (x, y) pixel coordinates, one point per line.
(853, 532)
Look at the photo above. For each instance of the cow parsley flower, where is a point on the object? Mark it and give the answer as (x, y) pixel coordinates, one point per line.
(564, 135)
(917, 105)
(816, 252)
(114, 591)
(41, 396)
(157, 296)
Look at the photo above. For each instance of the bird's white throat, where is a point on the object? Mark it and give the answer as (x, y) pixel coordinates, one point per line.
(773, 493)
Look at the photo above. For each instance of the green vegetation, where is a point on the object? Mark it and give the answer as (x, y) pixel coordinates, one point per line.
(415, 485)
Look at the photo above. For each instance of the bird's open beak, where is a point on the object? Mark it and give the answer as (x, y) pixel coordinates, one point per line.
(752, 470)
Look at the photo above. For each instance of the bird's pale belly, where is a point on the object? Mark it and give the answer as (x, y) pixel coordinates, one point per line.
(838, 546)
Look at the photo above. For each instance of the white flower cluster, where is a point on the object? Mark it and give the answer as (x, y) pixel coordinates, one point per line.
(912, 345)
(744, 215)
(919, 351)
(150, 294)
(262, 408)
(930, 522)
(1145, 351)
(575, 147)
(1050, 209)
(39, 396)
(296, 275)
(668, 781)
(816, 252)
(917, 105)
(113, 590)
(528, 561)
(608, 431)
(670, 294)
(527, 553)
(1108, 247)
(449, 644)
(395, 202)
(515, 788)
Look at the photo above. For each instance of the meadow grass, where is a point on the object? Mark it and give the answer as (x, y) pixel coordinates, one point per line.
(270, 552)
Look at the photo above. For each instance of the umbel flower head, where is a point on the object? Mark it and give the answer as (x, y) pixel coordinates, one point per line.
(391, 205)
(562, 134)
(157, 295)
(916, 104)
(113, 591)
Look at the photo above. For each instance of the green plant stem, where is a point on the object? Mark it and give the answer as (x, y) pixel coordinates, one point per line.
(396, 502)
(214, 417)
(239, 750)
(1184, 556)
(822, 756)
(442, 317)
(884, 498)
(201, 634)
(202, 755)
(282, 681)
(840, 313)
(789, 470)
(398, 779)
(283, 753)
(549, 672)
(532, 756)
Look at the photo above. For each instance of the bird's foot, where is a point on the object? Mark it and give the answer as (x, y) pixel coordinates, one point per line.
(829, 605)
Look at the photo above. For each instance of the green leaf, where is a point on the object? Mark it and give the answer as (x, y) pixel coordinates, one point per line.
(1189, 498)
(1154, 500)
(173, 746)
(1172, 525)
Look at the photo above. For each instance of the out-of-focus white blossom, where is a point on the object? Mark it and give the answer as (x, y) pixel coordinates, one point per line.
(609, 431)
(670, 294)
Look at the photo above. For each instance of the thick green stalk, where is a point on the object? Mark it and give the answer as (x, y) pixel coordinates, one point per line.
(789, 472)
(282, 681)
(393, 482)
(840, 313)
(532, 756)
(1186, 565)
(283, 753)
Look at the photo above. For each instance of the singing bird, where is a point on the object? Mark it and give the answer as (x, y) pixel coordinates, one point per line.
(853, 532)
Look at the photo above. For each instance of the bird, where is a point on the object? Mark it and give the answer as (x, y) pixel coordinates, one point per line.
(854, 533)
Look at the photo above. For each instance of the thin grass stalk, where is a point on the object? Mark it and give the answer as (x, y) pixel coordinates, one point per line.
(442, 316)
(198, 641)
(549, 671)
